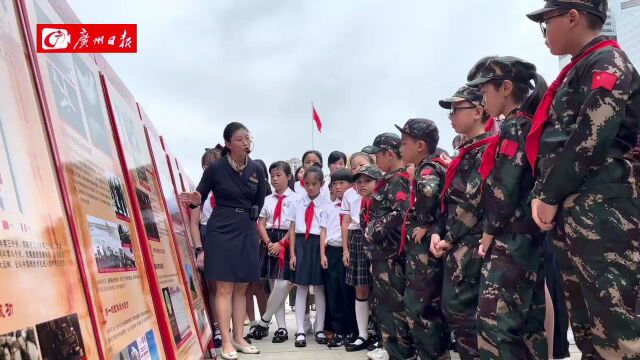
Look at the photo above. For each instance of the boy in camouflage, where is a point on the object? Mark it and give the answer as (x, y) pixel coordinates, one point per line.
(586, 191)
(388, 206)
(462, 221)
(511, 309)
(423, 270)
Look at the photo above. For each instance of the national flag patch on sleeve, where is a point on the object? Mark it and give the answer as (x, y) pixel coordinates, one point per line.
(509, 148)
(426, 172)
(603, 79)
(401, 196)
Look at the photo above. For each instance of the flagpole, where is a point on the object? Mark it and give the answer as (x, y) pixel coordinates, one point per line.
(313, 147)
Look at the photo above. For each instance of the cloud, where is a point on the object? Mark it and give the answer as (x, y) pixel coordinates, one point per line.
(365, 64)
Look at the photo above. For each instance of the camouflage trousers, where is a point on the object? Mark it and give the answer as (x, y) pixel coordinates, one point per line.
(597, 242)
(422, 300)
(511, 308)
(460, 292)
(389, 284)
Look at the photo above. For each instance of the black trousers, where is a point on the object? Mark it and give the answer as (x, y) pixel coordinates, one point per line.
(341, 317)
(556, 291)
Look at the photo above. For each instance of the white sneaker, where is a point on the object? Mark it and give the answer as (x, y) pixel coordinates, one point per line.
(378, 354)
(570, 338)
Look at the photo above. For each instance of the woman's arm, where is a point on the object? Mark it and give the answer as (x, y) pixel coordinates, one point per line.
(194, 223)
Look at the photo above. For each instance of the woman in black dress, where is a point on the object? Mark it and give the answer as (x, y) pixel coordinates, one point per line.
(231, 251)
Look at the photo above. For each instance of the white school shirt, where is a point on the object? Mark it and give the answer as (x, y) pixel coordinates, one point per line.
(207, 209)
(269, 208)
(351, 202)
(334, 231)
(297, 213)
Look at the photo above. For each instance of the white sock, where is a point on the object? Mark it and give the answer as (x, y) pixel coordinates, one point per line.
(301, 305)
(276, 301)
(253, 323)
(362, 317)
(321, 307)
(280, 317)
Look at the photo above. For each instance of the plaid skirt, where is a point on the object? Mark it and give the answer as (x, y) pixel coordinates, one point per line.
(269, 265)
(358, 272)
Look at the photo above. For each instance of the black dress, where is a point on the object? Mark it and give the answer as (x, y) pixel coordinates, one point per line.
(231, 251)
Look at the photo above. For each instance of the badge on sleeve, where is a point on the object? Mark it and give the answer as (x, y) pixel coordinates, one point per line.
(426, 172)
(603, 79)
(509, 148)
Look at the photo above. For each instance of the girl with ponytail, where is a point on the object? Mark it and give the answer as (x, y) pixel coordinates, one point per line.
(511, 309)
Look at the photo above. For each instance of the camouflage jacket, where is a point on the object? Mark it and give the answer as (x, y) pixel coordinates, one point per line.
(592, 127)
(506, 192)
(389, 204)
(464, 211)
(427, 187)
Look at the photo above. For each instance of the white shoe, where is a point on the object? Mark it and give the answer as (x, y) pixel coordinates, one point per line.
(378, 354)
(570, 337)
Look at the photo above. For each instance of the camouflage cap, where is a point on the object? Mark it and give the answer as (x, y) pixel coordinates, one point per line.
(506, 68)
(595, 7)
(465, 93)
(386, 141)
(371, 171)
(421, 129)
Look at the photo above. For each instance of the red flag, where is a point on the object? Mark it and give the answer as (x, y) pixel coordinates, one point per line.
(316, 118)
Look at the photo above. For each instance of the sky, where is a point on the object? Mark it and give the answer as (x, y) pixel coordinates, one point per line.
(365, 64)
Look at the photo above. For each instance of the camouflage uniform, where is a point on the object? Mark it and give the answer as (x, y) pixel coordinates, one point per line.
(585, 167)
(463, 229)
(423, 270)
(511, 309)
(389, 203)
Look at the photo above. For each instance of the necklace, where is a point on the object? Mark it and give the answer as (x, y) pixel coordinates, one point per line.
(238, 167)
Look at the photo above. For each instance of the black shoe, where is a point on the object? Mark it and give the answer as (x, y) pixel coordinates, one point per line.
(251, 333)
(322, 340)
(303, 342)
(260, 332)
(281, 335)
(352, 347)
(336, 341)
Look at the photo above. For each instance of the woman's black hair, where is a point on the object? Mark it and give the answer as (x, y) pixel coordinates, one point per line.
(228, 132)
(281, 165)
(210, 154)
(314, 152)
(336, 156)
(314, 170)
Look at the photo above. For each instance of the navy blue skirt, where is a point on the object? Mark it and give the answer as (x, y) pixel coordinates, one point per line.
(308, 270)
(231, 247)
(270, 265)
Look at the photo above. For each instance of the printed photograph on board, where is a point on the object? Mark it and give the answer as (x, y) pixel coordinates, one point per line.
(112, 247)
(66, 99)
(118, 197)
(147, 215)
(60, 339)
(91, 95)
(19, 345)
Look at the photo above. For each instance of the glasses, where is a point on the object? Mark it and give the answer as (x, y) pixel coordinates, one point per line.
(243, 140)
(544, 23)
(453, 111)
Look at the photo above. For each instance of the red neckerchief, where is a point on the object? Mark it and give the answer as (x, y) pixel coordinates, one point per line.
(455, 163)
(308, 219)
(542, 113)
(489, 155)
(277, 212)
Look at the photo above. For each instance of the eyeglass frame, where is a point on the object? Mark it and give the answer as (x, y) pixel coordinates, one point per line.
(543, 24)
(453, 110)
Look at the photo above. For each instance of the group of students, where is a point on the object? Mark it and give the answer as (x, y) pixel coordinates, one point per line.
(438, 245)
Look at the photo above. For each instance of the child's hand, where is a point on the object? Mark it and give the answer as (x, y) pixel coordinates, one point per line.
(435, 240)
(443, 247)
(274, 249)
(324, 262)
(419, 233)
(200, 261)
(345, 259)
(485, 242)
(292, 263)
